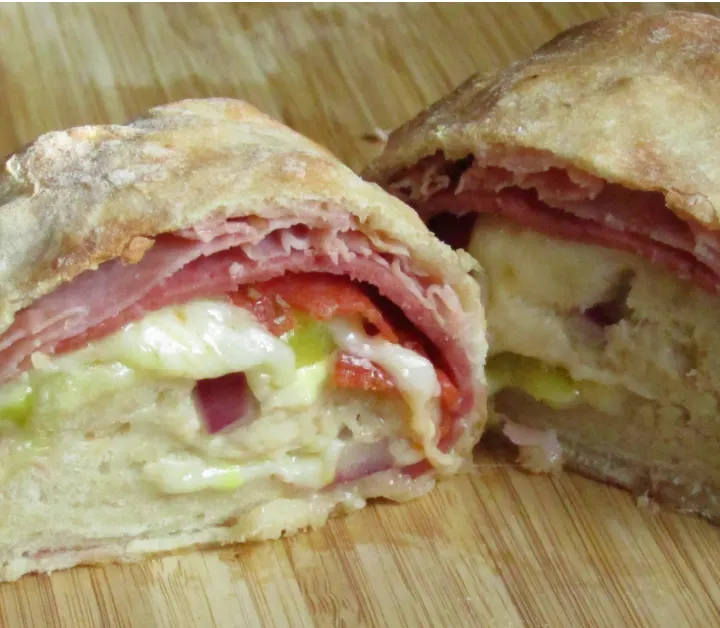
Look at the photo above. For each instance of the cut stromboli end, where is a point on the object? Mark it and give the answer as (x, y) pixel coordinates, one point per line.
(589, 183)
(214, 332)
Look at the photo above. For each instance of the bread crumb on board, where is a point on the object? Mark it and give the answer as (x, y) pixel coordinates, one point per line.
(376, 136)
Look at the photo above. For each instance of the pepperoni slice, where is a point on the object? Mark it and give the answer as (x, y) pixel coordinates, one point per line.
(322, 295)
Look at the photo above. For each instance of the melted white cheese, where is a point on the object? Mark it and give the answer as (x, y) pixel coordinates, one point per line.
(205, 339)
(414, 376)
(302, 391)
(197, 340)
(190, 474)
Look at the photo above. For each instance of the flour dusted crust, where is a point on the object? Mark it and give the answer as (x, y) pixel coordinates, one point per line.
(631, 99)
(74, 199)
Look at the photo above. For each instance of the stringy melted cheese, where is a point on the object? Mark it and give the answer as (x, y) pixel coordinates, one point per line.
(297, 436)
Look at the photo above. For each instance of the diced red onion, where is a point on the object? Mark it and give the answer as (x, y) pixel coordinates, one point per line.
(542, 442)
(360, 459)
(224, 401)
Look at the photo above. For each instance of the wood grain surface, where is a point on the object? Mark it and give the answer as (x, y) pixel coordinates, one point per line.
(497, 548)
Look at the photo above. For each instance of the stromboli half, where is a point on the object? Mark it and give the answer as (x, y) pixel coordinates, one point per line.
(586, 182)
(213, 331)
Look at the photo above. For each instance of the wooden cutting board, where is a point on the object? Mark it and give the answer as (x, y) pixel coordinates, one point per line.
(498, 548)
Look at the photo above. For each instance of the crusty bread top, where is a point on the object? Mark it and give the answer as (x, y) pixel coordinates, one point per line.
(74, 199)
(633, 99)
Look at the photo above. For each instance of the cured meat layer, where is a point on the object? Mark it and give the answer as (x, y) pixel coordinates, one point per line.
(540, 192)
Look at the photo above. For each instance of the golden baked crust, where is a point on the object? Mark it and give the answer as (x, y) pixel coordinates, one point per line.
(74, 199)
(631, 99)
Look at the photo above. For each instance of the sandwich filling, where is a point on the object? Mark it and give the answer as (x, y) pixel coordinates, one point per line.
(538, 191)
(303, 355)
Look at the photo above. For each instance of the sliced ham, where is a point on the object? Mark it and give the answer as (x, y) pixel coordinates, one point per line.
(95, 297)
(540, 192)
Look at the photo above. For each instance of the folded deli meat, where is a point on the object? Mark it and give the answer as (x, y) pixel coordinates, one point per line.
(586, 182)
(212, 331)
